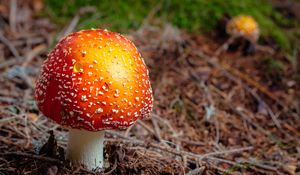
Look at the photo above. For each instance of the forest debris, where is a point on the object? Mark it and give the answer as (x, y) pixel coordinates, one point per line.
(31, 156)
(13, 14)
(11, 47)
(290, 168)
(198, 171)
(72, 25)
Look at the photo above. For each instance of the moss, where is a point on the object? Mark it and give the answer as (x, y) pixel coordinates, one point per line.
(191, 15)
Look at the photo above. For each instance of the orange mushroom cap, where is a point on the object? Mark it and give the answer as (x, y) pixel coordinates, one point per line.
(94, 80)
(245, 26)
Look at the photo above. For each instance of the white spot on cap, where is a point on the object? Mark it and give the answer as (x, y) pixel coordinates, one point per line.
(83, 98)
(99, 110)
(115, 111)
(137, 98)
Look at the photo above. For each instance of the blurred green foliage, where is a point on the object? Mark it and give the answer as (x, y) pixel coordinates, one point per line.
(272, 65)
(191, 15)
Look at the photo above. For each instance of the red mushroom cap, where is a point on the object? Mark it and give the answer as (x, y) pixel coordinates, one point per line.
(94, 80)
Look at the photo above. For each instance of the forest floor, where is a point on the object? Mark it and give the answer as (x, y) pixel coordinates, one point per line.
(213, 114)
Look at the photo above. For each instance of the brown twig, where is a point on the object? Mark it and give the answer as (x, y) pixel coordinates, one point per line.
(198, 171)
(157, 132)
(32, 156)
(224, 46)
(146, 127)
(227, 152)
(172, 150)
(11, 47)
(33, 53)
(72, 25)
(189, 155)
(13, 15)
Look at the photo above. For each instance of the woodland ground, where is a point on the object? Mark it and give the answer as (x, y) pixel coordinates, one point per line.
(232, 114)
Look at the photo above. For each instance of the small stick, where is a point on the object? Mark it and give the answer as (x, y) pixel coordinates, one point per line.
(256, 96)
(8, 100)
(265, 49)
(146, 127)
(260, 165)
(9, 62)
(166, 122)
(227, 152)
(126, 134)
(32, 156)
(250, 81)
(190, 142)
(72, 25)
(33, 53)
(171, 150)
(11, 47)
(224, 46)
(157, 132)
(12, 15)
(271, 113)
(197, 171)
(190, 155)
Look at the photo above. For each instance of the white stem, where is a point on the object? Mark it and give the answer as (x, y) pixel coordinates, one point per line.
(85, 147)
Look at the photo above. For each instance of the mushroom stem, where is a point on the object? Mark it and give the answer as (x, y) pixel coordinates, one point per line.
(86, 147)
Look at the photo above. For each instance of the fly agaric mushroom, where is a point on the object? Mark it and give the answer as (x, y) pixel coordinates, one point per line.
(93, 80)
(244, 26)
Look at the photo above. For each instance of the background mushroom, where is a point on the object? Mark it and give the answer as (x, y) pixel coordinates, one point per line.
(93, 80)
(243, 26)
(243, 31)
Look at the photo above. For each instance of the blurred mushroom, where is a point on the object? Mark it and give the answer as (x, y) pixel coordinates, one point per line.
(93, 80)
(243, 31)
(243, 26)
